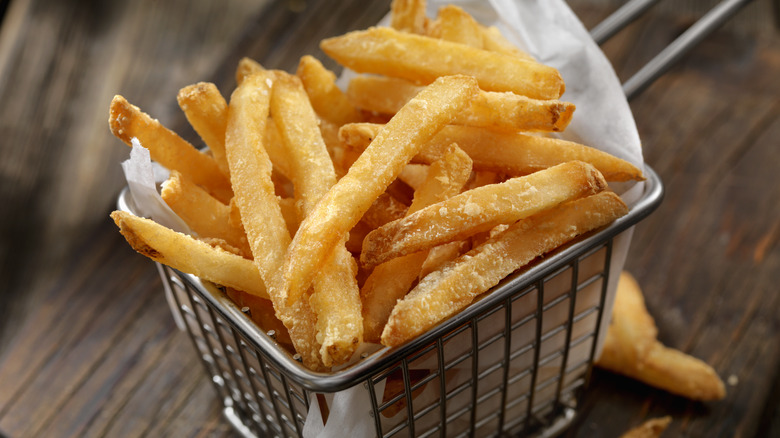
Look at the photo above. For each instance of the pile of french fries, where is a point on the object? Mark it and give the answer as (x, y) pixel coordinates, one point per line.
(374, 213)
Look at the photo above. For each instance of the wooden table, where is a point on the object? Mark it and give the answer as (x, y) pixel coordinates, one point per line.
(87, 344)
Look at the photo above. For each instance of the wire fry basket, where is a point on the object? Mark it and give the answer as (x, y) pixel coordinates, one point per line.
(514, 362)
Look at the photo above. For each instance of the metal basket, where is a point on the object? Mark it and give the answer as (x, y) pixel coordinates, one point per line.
(514, 362)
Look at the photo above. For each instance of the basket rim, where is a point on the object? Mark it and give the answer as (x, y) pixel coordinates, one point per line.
(387, 357)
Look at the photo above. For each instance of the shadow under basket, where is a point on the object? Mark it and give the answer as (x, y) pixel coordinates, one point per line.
(515, 362)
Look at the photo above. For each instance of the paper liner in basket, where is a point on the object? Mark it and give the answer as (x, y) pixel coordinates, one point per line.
(552, 33)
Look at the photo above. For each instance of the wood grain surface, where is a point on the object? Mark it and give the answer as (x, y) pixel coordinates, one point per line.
(87, 343)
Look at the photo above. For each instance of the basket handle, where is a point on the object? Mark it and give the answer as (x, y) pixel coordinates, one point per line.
(664, 60)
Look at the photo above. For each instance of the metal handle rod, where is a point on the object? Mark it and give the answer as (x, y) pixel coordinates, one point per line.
(680, 46)
(619, 19)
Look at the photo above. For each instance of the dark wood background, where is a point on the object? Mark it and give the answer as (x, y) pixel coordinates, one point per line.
(87, 344)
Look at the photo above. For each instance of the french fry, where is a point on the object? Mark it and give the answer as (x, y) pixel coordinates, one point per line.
(513, 154)
(344, 204)
(206, 111)
(505, 112)
(386, 208)
(390, 281)
(439, 255)
(336, 298)
(480, 210)
(250, 173)
(422, 59)
(631, 348)
(408, 15)
(413, 175)
(189, 255)
(204, 214)
(454, 24)
(445, 292)
(652, 428)
(167, 148)
(247, 67)
(495, 42)
(326, 98)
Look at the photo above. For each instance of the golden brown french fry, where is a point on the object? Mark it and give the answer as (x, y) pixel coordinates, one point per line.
(408, 15)
(206, 110)
(506, 112)
(167, 148)
(495, 42)
(376, 168)
(652, 428)
(381, 94)
(386, 208)
(204, 214)
(311, 169)
(290, 214)
(513, 154)
(336, 298)
(439, 255)
(250, 173)
(326, 98)
(631, 348)
(454, 24)
(443, 293)
(421, 59)
(390, 281)
(189, 255)
(247, 67)
(413, 175)
(480, 210)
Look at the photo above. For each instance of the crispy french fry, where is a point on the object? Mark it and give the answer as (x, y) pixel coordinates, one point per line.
(167, 148)
(408, 15)
(386, 208)
(514, 154)
(506, 112)
(310, 167)
(422, 59)
(413, 175)
(326, 98)
(205, 215)
(189, 255)
(390, 281)
(454, 24)
(346, 202)
(439, 255)
(652, 428)
(290, 214)
(445, 292)
(206, 110)
(495, 42)
(631, 348)
(250, 173)
(336, 298)
(247, 67)
(480, 210)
